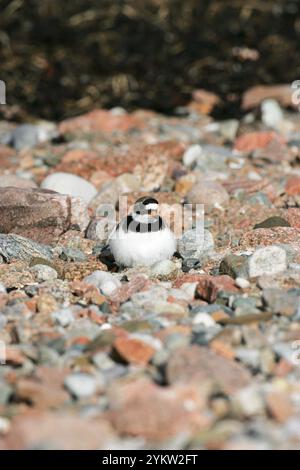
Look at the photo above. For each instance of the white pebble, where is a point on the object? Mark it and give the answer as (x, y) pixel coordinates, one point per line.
(73, 185)
(191, 154)
(81, 385)
(242, 283)
(204, 319)
(104, 281)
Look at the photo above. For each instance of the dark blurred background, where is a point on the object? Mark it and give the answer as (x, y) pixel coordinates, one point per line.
(60, 58)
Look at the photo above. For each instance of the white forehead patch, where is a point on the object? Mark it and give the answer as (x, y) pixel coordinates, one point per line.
(151, 207)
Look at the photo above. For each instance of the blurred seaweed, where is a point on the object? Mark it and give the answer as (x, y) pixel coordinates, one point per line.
(62, 58)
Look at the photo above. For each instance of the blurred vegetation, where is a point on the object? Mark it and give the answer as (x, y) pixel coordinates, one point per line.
(60, 58)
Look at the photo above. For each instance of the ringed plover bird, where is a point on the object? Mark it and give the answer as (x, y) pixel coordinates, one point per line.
(142, 238)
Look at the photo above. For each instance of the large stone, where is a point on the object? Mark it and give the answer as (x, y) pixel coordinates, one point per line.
(40, 214)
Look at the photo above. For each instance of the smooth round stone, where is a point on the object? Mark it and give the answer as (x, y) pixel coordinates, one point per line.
(268, 260)
(195, 243)
(73, 185)
(81, 385)
(209, 193)
(272, 115)
(191, 154)
(203, 319)
(242, 283)
(104, 281)
(43, 272)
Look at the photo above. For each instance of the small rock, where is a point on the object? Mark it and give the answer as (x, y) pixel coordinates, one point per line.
(164, 269)
(190, 263)
(133, 350)
(27, 136)
(192, 154)
(203, 319)
(195, 244)
(248, 402)
(254, 140)
(72, 254)
(63, 317)
(100, 228)
(73, 185)
(81, 385)
(104, 281)
(274, 221)
(209, 193)
(235, 266)
(281, 301)
(210, 286)
(269, 260)
(201, 365)
(43, 272)
(272, 115)
(242, 283)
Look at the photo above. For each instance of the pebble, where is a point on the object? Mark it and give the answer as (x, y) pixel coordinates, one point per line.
(63, 317)
(81, 385)
(272, 115)
(209, 193)
(192, 154)
(203, 319)
(195, 244)
(242, 283)
(104, 281)
(235, 266)
(248, 402)
(72, 254)
(43, 272)
(165, 269)
(73, 185)
(267, 261)
(27, 136)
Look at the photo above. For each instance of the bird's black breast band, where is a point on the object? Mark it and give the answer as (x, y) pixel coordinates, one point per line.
(129, 224)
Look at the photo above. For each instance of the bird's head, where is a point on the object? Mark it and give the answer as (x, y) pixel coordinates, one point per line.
(145, 209)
